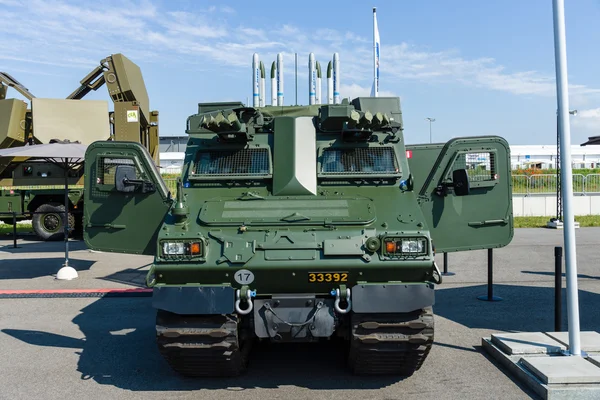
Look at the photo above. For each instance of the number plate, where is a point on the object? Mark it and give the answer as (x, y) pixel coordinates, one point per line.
(318, 277)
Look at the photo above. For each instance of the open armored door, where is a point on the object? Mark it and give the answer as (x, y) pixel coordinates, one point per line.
(466, 198)
(125, 200)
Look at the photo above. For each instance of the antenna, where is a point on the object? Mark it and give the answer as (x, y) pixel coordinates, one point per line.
(296, 57)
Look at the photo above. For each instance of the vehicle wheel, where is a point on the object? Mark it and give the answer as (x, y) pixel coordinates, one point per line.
(48, 221)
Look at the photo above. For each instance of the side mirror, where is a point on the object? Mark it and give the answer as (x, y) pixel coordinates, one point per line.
(123, 176)
(126, 182)
(460, 180)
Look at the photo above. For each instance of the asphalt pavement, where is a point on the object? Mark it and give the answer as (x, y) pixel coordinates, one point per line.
(103, 348)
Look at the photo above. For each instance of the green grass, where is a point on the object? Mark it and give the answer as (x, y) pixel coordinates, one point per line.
(541, 222)
(6, 229)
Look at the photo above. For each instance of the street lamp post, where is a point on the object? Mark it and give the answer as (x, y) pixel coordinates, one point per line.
(430, 121)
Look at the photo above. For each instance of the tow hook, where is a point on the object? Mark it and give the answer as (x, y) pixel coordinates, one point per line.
(244, 296)
(151, 277)
(438, 278)
(342, 295)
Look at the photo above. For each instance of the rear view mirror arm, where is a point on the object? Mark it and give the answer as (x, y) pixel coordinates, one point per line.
(147, 186)
(127, 181)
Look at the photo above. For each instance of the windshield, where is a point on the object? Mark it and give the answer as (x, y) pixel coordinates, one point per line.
(376, 161)
(243, 162)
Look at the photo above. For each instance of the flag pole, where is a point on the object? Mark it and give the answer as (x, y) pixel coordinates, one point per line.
(562, 92)
(375, 83)
(376, 55)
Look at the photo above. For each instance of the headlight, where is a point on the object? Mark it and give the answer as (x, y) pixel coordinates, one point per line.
(412, 245)
(173, 248)
(405, 246)
(182, 248)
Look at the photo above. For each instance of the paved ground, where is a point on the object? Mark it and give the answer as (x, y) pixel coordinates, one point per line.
(104, 348)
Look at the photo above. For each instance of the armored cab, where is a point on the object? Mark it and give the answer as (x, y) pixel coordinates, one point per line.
(298, 223)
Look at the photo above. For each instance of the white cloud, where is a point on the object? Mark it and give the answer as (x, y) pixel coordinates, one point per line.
(184, 23)
(63, 33)
(589, 114)
(228, 10)
(353, 90)
(252, 32)
(588, 119)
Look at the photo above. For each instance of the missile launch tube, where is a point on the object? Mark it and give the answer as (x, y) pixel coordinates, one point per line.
(273, 85)
(263, 94)
(336, 78)
(255, 80)
(279, 79)
(318, 99)
(312, 79)
(329, 85)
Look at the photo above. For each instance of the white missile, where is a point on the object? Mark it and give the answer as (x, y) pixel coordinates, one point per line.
(279, 79)
(312, 79)
(255, 80)
(318, 98)
(329, 84)
(261, 103)
(273, 85)
(336, 78)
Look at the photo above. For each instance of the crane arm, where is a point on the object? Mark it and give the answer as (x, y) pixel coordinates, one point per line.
(92, 81)
(124, 83)
(6, 79)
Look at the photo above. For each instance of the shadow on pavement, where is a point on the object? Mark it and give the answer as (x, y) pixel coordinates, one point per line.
(119, 347)
(28, 268)
(38, 246)
(523, 308)
(129, 276)
(580, 276)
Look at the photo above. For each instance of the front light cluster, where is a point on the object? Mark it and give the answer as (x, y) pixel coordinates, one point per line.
(182, 248)
(405, 246)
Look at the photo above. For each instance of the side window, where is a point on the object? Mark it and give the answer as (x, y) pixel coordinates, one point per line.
(481, 167)
(106, 169)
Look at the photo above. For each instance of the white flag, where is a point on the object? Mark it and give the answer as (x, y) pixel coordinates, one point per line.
(376, 48)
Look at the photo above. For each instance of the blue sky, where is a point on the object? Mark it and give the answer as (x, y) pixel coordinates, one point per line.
(477, 67)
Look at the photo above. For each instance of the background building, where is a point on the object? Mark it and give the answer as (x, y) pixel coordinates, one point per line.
(544, 156)
(172, 150)
(172, 144)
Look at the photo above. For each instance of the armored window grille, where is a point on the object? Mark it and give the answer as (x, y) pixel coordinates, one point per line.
(373, 161)
(107, 168)
(480, 167)
(245, 162)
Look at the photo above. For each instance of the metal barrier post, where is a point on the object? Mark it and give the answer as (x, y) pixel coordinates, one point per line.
(558, 289)
(446, 273)
(490, 294)
(14, 215)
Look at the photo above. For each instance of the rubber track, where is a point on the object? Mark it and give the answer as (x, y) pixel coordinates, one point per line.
(200, 346)
(390, 344)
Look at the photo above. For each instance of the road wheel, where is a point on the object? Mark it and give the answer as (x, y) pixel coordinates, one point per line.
(48, 221)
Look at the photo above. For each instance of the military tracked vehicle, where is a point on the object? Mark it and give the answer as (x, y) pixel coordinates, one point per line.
(298, 224)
